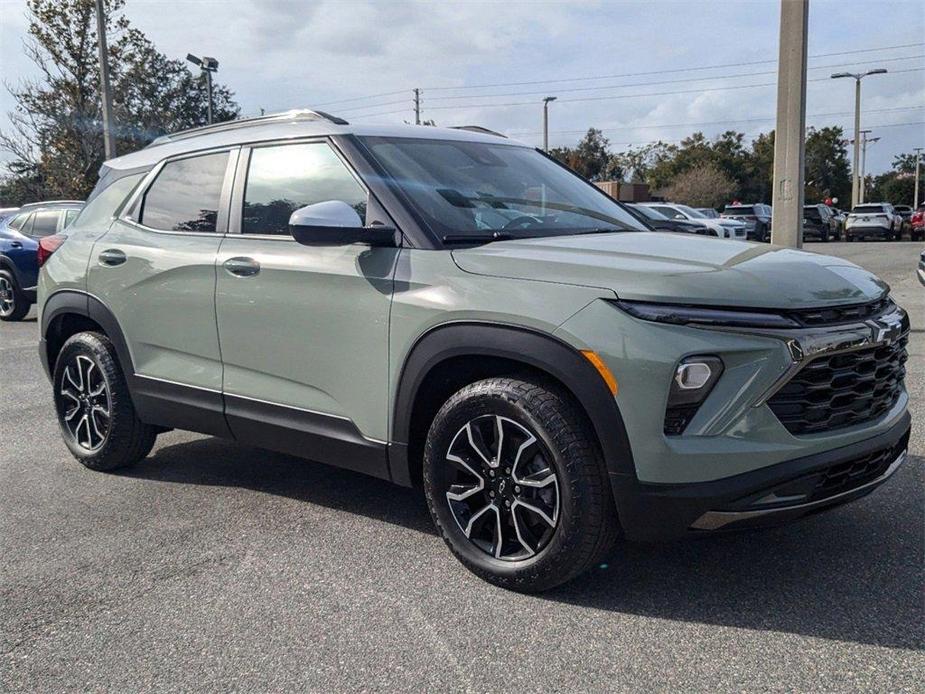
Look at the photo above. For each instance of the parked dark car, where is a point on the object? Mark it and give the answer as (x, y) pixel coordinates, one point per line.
(904, 211)
(757, 218)
(659, 222)
(819, 222)
(20, 237)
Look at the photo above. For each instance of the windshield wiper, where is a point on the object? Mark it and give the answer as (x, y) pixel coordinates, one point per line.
(458, 239)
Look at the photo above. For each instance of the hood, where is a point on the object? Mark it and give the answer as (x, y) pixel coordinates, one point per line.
(678, 268)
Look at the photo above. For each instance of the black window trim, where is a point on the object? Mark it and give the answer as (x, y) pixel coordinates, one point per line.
(132, 207)
(236, 211)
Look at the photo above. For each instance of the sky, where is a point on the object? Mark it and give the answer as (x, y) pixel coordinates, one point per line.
(640, 71)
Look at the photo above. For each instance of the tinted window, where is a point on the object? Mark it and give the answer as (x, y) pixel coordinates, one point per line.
(45, 223)
(70, 216)
(867, 209)
(185, 195)
(282, 179)
(20, 221)
(101, 209)
(739, 210)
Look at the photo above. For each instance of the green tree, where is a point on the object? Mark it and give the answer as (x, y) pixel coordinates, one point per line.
(828, 172)
(55, 133)
(591, 158)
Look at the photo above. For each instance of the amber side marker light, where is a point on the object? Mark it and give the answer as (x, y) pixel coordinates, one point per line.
(602, 369)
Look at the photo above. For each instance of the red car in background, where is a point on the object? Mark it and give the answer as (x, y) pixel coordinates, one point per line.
(917, 222)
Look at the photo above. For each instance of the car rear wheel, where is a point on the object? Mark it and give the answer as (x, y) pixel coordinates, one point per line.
(13, 304)
(95, 412)
(516, 485)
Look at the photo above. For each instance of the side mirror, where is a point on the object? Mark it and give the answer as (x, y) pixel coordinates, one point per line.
(335, 223)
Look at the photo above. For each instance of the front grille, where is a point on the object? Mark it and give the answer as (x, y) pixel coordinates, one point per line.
(840, 390)
(835, 315)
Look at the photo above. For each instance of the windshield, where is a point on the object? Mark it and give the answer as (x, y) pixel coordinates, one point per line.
(866, 209)
(649, 213)
(691, 212)
(479, 191)
(812, 213)
(739, 210)
(708, 212)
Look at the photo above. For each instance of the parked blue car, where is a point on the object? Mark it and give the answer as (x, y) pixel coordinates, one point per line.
(19, 244)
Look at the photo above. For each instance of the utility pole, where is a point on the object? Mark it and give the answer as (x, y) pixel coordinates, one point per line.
(862, 191)
(855, 180)
(417, 106)
(790, 140)
(546, 101)
(109, 140)
(918, 156)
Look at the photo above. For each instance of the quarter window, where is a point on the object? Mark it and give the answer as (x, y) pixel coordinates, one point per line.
(185, 195)
(45, 223)
(20, 221)
(283, 178)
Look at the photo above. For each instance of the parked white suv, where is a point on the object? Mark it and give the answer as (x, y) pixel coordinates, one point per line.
(724, 228)
(873, 219)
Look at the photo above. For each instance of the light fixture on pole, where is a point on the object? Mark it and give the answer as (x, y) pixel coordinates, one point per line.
(858, 76)
(208, 66)
(546, 101)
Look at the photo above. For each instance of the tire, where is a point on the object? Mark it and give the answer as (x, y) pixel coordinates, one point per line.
(534, 554)
(90, 388)
(13, 304)
(824, 236)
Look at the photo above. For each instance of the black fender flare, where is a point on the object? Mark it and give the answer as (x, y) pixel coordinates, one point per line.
(533, 348)
(73, 301)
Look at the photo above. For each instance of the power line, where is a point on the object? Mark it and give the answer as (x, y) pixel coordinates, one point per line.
(600, 77)
(635, 96)
(361, 98)
(674, 81)
(663, 72)
(718, 122)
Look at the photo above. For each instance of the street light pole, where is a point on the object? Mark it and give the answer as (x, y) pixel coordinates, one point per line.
(546, 101)
(790, 140)
(918, 156)
(855, 180)
(109, 140)
(862, 193)
(208, 66)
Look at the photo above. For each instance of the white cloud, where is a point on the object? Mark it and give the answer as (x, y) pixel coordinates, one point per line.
(279, 54)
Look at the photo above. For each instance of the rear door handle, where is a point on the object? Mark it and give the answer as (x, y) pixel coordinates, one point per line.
(112, 257)
(242, 267)
(15, 244)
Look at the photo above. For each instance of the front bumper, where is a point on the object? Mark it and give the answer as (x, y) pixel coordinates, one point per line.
(764, 497)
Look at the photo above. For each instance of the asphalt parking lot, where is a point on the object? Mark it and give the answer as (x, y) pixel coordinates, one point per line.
(217, 567)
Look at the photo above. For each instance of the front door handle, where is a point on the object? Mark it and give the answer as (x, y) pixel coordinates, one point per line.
(15, 244)
(242, 267)
(112, 257)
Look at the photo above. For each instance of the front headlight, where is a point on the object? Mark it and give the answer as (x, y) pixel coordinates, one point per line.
(676, 314)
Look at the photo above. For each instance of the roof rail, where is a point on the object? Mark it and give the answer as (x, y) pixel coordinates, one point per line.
(43, 203)
(300, 114)
(477, 129)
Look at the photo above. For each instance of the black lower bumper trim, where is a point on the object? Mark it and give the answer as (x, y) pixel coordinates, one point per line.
(655, 512)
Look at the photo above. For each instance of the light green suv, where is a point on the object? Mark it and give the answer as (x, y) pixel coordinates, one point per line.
(449, 308)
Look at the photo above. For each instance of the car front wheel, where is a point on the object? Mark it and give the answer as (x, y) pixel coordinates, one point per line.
(516, 485)
(95, 412)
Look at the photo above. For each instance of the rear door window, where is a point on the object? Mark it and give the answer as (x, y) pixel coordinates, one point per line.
(45, 223)
(185, 195)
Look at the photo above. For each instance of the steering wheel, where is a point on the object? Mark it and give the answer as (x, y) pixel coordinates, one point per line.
(524, 221)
